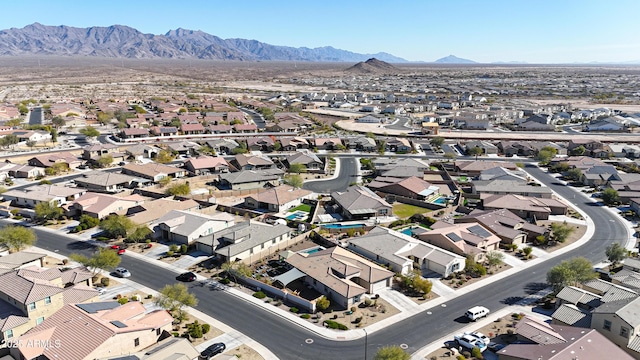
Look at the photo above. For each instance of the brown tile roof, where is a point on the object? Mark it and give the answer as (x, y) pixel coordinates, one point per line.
(26, 290)
(75, 276)
(207, 162)
(79, 293)
(35, 272)
(280, 195)
(156, 209)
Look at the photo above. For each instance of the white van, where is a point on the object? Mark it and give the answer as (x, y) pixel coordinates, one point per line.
(476, 313)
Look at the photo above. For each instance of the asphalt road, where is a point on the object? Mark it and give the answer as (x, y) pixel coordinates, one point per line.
(36, 116)
(288, 341)
(257, 118)
(347, 175)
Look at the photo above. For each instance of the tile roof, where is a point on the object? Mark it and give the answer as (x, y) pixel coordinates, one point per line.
(576, 295)
(103, 178)
(10, 316)
(156, 209)
(571, 315)
(280, 195)
(185, 223)
(627, 310)
(247, 176)
(26, 290)
(75, 275)
(358, 197)
(79, 293)
(251, 234)
(207, 162)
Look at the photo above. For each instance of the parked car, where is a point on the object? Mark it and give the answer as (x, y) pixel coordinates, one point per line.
(188, 277)
(484, 338)
(120, 249)
(476, 313)
(212, 350)
(495, 347)
(122, 272)
(469, 342)
(101, 290)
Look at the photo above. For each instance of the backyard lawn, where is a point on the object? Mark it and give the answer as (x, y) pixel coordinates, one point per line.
(405, 210)
(302, 207)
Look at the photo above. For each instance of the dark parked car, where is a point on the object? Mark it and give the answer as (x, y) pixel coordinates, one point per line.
(212, 350)
(188, 277)
(495, 347)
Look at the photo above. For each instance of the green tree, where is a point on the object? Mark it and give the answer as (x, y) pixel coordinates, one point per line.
(449, 156)
(46, 211)
(437, 141)
(164, 181)
(117, 226)
(570, 272)
(13, 122)
(545, 156)
(323, 303)
(30, 144)
(561, 231)
(241, 149)
(391, 353)
(615, 254)
(140, 234)
(297, 168)
(527, 252)
(105, 160)
(422, 285)
(294, 180)
(174, 297)
(610, 197)
(104, 118)
(9, 140)
(181, 189)
(475, 151)
(16, 238)
(58, 122)
(165, 156)
(494, 258)
(54, 135)
(578, 151)
(103, 259)
(90, 132)
(236, 269)
(574, 174)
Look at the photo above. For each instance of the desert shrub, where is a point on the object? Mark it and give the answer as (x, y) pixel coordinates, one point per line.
(305, 316)
(105, 281)
(195, 330)
(183, 248)
(335, 325)
(205, 328)
(476, 353)
(170, 253)
(368, 302)
(123, 300)
(259, 295)
(294, 309)
(173, 247)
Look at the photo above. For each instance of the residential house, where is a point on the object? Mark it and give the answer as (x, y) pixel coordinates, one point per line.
(625, 150)
(96, 151)
(50, 159)
(509, 227)
(293, 144)
(599, 175)
(398, 144)
(524, 206)
(23, 171)
(32, 294)
(184, 147)
(342, 276)
(220, 129)
(133, 133)
(245, 128)
(404, 167)
(100, 206)
(501, 181)
(251, 179)
(276, 199)
(474, 168)
(619, 322)
(362, 143)
(141, 151)
(411, 187)
(370, 119)
(33, 195)
(589, 145)
(464, 239)
(358, 202)
(184, 227)
(252, 162)
(21, 259)
(164, 131)
(611, 124)
(308, 159)
(32, 135)
(108, 329)
(540, 340)
(247, 241)
(222, 146)
(103, 181)
(152, 171)
(535, 126)
(487, 147)
(148, 212)
(327, 143)
(192, 129)
(168, 348)
(402, 253)
(203, 165)
(260, 143)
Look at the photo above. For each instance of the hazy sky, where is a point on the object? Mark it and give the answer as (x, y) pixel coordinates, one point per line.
(535, 31)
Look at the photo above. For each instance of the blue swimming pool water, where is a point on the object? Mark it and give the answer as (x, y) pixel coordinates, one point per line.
(407, 232)
(298, 215)
(440, 200)
(341, 226)
(313, 250)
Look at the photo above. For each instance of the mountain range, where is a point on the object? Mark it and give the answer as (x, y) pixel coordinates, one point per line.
(127, 42)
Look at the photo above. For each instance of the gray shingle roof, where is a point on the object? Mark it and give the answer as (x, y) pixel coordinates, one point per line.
(571, 315)
(254, 233)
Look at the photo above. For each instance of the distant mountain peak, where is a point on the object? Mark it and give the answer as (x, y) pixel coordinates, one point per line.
(452, 59)
(372, 65)
(119, 41)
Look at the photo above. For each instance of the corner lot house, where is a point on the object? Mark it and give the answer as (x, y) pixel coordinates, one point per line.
(31, 196)
(404, 253)
(251, 179)
(342, 276)
(152, 171)
(463, 239)
(185, 227)
(278, 198)
(107, 329)
(509, 227)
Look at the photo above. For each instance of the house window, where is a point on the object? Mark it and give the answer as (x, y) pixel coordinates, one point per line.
(251, 251)
(136, 342)
(9, 334)
(607, 325)
(273, 241)
(47, 300)
(158, 331)
(624, 332)
(32, 306)
(40, 320)
(262, 246)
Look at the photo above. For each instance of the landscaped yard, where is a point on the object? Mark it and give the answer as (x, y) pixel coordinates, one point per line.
(405, 210)
(301, 207)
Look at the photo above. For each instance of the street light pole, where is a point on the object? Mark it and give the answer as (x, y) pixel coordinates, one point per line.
(366, 335)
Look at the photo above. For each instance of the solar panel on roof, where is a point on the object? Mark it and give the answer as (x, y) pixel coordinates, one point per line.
(454, 236)
(118, 324)
(93, 308)
(480, 231)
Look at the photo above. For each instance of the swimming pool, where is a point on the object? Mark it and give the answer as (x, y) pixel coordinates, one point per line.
(407, 231)
(312, 250)
(298, 215)
(341, 226)
(440, 201)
